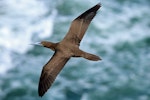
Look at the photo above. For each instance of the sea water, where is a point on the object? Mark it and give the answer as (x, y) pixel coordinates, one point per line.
(119, 34)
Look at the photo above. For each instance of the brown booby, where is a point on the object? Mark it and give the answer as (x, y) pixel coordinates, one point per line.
(67, 48)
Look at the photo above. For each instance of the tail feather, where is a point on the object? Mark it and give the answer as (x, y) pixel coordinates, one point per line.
(91, 57)
(80, 53)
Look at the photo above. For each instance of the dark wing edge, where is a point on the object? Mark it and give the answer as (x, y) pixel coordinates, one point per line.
(50, 72)
(93, 9)
(80, 24)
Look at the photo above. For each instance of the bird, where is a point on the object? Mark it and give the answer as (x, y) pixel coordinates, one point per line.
(65, 49)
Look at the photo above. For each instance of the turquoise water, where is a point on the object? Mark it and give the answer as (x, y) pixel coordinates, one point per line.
(119, 34)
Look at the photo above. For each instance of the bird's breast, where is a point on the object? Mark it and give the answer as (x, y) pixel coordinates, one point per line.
(67, 49)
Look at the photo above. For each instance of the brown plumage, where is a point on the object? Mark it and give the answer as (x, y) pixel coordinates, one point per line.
(67, 48)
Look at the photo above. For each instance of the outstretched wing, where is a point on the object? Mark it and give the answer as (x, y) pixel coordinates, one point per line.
(80, 25)
(50, 72)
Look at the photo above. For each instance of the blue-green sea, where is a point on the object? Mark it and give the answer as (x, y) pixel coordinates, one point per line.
(119, 34)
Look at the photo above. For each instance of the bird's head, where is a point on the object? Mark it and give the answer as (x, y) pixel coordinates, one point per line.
(46, 44)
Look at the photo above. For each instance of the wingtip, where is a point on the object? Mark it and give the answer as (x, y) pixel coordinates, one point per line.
(42, 89)
(98, 5)
(41, 93)
(44, 84)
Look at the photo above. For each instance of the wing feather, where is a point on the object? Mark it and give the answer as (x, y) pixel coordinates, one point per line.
(80, 24)
(50, 72)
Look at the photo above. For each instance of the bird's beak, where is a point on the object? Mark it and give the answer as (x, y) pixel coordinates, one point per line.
(37, 44)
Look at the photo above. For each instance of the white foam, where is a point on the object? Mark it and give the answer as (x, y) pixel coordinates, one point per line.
(5, 60)
(21, 21)
(117, 27)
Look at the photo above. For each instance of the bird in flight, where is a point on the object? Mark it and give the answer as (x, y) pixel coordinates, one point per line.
(67, 48)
